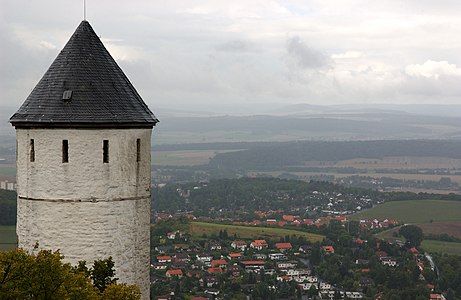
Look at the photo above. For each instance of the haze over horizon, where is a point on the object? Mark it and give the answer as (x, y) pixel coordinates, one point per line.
(218, 56)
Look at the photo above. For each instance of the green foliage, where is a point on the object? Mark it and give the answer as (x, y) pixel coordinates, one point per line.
(45, 276)
(449, 279)
(413, 234)
(278, 156)
(121, 291)
(41, 276)
(250, 194)
(103, 273)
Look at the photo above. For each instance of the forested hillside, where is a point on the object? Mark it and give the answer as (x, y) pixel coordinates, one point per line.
(276, 156)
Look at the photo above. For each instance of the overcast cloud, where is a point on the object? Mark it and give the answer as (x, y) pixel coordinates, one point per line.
(215, 55)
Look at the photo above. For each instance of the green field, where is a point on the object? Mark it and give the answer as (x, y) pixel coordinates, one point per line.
(7, 238)
(414, 211)
(433, 216)
(441, 247)
(197, 229)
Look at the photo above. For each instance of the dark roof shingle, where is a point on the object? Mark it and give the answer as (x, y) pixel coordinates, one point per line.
(102, 96)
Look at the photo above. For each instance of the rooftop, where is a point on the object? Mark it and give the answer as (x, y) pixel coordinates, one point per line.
(84, 87)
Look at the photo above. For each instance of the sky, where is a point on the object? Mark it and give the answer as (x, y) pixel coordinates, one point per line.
(220, 55)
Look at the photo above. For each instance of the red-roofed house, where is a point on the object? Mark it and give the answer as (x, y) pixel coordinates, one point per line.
(164, 259)
(234, 256)
(253, 264)
(436, 297)
(271, 222)
(171, 273)
(414, 251)
(360, 241)
(241, 245)
(221, 263)
(308, 222)
(214, 270)
(328, 249)
(288, 218)
(259, 244)
(283, 246)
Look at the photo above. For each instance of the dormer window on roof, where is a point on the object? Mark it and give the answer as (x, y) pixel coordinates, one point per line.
(67, 95)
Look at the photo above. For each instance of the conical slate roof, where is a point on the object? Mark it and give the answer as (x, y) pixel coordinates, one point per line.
(84, 87)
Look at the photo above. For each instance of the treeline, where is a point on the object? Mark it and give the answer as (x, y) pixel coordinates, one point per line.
(280, 155)
(7, 207)
(449, 267)
(247, 194)
(263, 193)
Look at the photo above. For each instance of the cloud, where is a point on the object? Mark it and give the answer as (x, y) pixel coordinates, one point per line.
(48, 45)
(304, 56)
(433, 69)
(236, 46)
(183, 53)
(347, 55)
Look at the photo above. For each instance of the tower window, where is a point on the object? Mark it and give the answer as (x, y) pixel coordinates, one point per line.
(105, 151)
(32, 150)
(65, 151)
(138, 150)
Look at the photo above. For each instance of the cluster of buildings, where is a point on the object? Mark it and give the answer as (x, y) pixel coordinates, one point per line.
(6, 185)
(233, 259)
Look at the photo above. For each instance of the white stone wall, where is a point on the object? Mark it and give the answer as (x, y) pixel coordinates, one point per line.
(87, 208)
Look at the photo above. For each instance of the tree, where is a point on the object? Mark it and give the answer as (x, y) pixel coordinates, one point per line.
(413, 234)
(103, 273)
(121, 291)
(41, 276)
(45, 276)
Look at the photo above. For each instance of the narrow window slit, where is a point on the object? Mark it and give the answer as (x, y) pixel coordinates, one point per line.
(32, 150)
(138, 150)
(105, 151)
(65, 151)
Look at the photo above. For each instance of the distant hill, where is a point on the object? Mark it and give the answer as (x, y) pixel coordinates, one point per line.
(279, 155)
(308, 123)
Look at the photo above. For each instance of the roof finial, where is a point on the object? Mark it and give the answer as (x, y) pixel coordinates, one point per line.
(84, 10)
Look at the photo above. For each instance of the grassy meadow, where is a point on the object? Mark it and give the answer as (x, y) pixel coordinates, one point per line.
(449, 248)
(414, 211)
(432, 216)
(198, 229)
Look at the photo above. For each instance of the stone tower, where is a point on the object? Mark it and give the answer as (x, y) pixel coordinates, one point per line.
(84, 162)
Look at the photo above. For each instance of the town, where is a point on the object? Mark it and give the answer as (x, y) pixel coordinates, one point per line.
(341, 266)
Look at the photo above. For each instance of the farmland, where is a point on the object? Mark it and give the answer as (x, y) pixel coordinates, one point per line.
(199, 229)
(441, 247)
(415, 211)
(432, 216)
(451, 228)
